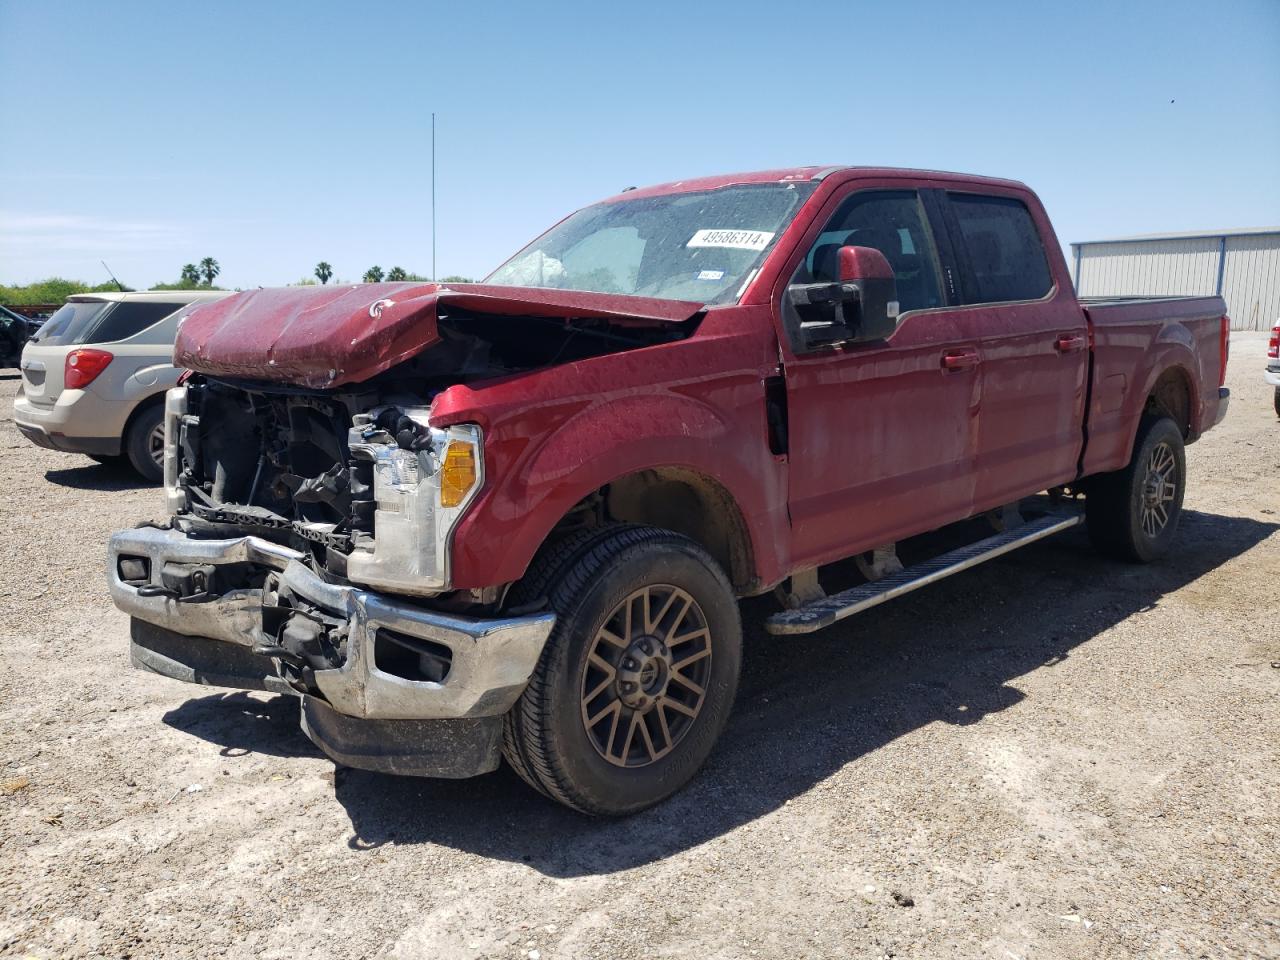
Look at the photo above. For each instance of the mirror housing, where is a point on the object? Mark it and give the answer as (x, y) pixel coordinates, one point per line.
(861, 306)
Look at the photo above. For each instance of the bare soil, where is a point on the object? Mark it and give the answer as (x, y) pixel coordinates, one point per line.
(1054, 755)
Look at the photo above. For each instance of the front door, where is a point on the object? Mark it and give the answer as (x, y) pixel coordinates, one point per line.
(882, 434)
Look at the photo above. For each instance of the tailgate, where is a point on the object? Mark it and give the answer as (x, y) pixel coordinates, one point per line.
(42, 369)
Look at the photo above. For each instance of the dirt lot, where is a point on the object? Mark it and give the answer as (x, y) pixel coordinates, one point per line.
(1052, 756)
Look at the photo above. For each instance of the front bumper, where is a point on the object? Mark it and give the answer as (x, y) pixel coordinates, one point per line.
(211, 640)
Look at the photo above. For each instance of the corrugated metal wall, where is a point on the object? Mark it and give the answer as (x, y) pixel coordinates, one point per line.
(1251, 281)
(1189, 267)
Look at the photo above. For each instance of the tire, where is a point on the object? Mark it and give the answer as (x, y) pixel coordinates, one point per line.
(1277, 401)
(140, 440)
(1133, 514)
(614, 721)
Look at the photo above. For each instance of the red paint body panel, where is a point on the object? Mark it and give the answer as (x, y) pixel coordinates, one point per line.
(887, 440)
(325, 336)
(1134, 343)
(554, 436)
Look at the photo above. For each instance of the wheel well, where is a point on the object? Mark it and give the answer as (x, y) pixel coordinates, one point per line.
(155, 400)
(680, 500)
(1171, 396)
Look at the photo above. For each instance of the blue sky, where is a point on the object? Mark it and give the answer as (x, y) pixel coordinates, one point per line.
(275, 135)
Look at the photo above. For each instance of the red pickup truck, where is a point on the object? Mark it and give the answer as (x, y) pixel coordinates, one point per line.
(513, 518)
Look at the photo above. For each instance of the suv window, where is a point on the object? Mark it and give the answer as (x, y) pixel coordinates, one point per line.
(97, 321)
(893, 222)
(128, 319)
(1005, 256)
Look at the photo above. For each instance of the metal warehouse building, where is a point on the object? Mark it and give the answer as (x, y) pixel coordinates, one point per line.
(1241, 265)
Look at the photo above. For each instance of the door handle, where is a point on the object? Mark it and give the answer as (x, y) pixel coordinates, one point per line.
(1070, 342)
(959, 359)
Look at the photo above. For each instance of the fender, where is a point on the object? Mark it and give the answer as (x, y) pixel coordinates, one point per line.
(545, 452)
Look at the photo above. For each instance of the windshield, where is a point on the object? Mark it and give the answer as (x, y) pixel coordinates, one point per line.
(688, 246)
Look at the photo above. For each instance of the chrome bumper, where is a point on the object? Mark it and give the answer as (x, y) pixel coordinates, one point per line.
(492, 660)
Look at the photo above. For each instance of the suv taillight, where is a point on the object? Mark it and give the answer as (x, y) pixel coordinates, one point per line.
(83, 366)
(1273, 345)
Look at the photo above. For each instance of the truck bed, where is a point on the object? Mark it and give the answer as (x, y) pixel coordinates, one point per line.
(1135, 341)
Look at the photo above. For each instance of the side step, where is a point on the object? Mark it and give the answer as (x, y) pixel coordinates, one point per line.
(828, 610)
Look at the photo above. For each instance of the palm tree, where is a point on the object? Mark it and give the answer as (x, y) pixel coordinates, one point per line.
(209, 267)
(397, 273)
(323, 271)
(190, 274)
(373, 275)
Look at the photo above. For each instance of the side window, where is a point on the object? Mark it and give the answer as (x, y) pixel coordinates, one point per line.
(893, 222)
(126, 319)
(1005, 255)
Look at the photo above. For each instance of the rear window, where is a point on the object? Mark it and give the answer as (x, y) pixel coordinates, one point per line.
(99, 322)
(1005, 256)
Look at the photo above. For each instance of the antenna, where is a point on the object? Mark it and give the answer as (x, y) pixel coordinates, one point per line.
(433, 196)
(112, 275)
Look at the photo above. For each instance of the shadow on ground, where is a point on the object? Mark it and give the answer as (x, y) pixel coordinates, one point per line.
(806, 706)
(112, 475)
(243, 725)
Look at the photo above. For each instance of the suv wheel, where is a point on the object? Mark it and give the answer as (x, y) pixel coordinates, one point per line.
(144, 443)
(638, 677)
(1133, 513)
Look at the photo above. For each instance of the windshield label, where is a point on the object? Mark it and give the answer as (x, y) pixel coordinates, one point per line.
(731, 239)
(711, 275)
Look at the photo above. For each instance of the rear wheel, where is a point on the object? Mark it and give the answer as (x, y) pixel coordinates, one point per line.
(638, 677)
(144, 443)
(1133, 513)
(1277, 401)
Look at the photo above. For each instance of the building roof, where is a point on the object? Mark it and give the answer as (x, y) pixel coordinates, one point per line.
(1189, 235)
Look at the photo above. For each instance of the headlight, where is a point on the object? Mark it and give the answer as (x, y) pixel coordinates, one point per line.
(421, 495)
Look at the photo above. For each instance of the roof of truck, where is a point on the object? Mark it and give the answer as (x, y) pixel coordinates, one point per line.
(800, 175)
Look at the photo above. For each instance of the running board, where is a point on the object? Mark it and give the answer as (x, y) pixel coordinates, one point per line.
(825, 612)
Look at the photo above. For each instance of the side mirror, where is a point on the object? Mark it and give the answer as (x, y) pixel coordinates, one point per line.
(862, 305)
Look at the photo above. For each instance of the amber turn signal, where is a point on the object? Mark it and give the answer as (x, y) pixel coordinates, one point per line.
(457, 473)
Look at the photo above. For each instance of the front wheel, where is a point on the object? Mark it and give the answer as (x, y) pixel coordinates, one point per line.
(638, 677)
(1133, 513)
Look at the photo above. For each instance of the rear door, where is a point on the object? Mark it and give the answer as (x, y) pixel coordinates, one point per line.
(1032, 337)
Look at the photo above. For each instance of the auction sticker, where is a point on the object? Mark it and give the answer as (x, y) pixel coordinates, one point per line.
(731, 239)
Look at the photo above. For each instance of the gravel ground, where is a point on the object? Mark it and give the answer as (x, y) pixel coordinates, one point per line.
(1052, 756)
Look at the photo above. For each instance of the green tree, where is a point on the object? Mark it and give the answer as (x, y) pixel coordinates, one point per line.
(455, 278)
(323, 271)
(373, 275)
(397, 273)
(190, 274)
(209, 269)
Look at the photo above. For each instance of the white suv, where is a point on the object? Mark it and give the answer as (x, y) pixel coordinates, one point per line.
(94, 376)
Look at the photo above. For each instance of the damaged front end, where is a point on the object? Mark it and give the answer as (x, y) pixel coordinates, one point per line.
(312, 515)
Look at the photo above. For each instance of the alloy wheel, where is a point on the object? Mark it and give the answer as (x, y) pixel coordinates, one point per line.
(645, 679)
(1159, 489)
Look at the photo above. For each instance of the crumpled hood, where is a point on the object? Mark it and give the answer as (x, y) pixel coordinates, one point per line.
(322, 336)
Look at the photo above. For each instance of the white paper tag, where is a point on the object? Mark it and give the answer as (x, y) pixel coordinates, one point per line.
(710, 274)
(731, 239)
